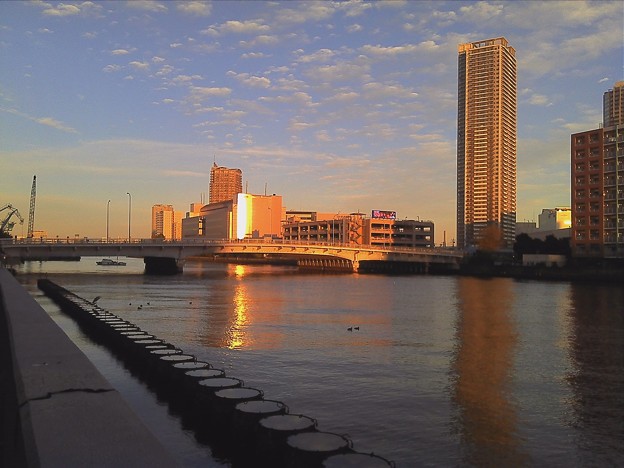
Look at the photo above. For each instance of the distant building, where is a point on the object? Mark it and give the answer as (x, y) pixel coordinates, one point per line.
(245, 216)
(162, 222)
(486, 141)
(357, 229)
(224, 183)
(552, 219)
(597, 160)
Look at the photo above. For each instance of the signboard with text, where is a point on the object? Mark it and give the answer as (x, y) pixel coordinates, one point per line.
(381, 214)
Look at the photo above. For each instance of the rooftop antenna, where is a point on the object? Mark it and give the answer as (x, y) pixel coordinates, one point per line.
(246, 186)
(265, 187)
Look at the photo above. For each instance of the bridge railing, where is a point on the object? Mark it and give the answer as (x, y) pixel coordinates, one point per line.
(85, 241)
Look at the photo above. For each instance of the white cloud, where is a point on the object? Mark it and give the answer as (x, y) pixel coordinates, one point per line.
(322, 55)
(480, 11)
(63, 9)
(251, 80)
(139, 65)
(354, 28)
(147, 5)
(111, 68)
(195, 8)
(393, 51)
(237, 27)
(120, 52)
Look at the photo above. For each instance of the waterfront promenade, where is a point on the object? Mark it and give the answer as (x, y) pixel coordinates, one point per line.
(56, 408)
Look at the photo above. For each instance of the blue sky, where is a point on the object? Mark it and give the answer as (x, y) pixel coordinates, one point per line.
(336, 106)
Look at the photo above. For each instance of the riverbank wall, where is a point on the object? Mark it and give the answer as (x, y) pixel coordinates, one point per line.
(56, 409)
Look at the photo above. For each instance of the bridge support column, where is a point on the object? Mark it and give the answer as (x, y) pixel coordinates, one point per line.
(163, 266)
(356, 265)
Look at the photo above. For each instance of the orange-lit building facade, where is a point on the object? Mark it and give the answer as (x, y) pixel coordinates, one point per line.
(486, 140)
(356, 229)
(225, 183)
(166, 223)
(245, 216)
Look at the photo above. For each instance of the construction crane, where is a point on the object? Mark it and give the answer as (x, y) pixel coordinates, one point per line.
(7, 225)
(31, 213)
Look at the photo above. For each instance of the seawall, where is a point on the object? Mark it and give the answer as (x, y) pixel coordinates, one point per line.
(56, 408)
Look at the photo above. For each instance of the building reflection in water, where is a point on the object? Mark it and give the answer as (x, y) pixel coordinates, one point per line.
(236, 333)
(596, 346)
(486, 339)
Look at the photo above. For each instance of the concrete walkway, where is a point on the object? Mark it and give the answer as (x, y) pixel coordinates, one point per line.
(56, 408)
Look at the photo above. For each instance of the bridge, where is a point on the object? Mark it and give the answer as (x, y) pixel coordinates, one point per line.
(168, 257)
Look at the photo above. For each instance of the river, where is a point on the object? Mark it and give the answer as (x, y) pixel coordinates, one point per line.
(443, 370)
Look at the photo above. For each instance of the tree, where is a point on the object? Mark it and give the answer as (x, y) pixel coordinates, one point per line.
(491, 239)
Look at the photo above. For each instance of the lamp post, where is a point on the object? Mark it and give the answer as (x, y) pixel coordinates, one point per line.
(107, 219)
(129, 213)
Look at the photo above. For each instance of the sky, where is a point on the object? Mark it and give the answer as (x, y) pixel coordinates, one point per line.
(338, 107)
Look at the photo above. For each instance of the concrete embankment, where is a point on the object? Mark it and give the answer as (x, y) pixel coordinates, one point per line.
(56, 408)
(238, 423)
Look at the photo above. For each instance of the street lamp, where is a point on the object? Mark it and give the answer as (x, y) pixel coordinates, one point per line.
(129, 213)
(107, 218)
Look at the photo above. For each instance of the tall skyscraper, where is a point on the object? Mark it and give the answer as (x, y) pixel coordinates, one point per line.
(224, 183)
(613, 106)
(598, 183)
(486, 142)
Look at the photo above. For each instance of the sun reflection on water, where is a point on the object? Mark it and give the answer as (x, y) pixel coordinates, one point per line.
(236, 334)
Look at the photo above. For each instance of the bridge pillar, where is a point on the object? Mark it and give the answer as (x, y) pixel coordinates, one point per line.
(356, 265)
(163, 265)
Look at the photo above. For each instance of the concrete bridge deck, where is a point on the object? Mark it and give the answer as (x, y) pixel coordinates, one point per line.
(159, 252)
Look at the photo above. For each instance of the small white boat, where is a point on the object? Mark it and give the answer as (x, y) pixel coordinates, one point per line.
(110, 262)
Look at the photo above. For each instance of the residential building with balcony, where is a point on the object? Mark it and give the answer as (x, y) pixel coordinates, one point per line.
(597, 158)
(486, 141)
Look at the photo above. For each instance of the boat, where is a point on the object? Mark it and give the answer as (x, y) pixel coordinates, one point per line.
(110, 262)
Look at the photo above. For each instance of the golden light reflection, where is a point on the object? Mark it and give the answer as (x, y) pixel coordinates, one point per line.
(484, 359)
(236, 334)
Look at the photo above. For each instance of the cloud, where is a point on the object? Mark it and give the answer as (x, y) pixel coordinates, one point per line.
(344, 71)
(354, 28)
(63, 9)
(119, 52)
(480, 11)
(147, 5)
(50, 122)
(393, 51)
(237, 27)
(195, 8)
(139, 65)
(47, 121)
(322, 55)
(251, 80)
(111, 68)
(306, 12)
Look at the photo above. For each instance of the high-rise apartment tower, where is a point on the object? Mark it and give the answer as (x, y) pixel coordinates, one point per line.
(613, 106)
(486, 142)
(224, 183)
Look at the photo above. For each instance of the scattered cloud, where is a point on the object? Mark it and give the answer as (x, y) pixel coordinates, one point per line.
(194, 8)
(147, 5)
